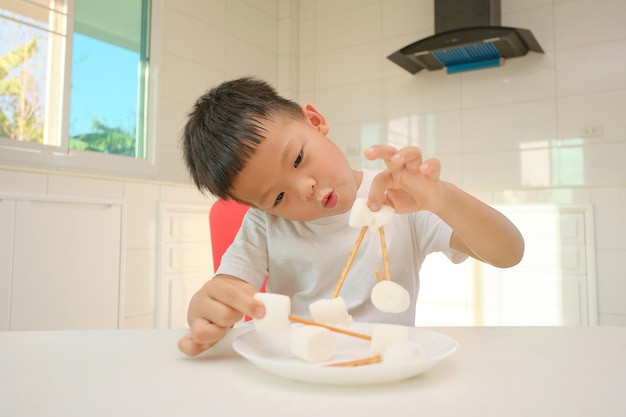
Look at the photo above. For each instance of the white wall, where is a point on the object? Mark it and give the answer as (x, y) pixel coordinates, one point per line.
(510, 135)
(492, 129)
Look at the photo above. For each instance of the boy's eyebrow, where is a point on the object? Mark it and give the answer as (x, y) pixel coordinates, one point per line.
(283, 160)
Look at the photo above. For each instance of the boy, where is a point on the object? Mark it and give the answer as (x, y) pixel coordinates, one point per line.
(245, 142)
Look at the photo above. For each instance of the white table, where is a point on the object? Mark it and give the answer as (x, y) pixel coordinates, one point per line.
(506, 371)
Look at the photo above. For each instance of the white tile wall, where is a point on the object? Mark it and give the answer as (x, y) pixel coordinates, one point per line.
(402, 17)
(502, 127)
(588, 22)
(348, 28)
(244, 58)
(593, 68)
(211, 12)
(255, 26)
(193, 39)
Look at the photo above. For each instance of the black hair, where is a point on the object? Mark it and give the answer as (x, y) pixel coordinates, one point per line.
(225, 126)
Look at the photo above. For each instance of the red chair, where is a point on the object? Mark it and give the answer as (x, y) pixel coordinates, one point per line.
(225, 219)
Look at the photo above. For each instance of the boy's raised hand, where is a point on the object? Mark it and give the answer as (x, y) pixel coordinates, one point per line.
(214, 309)
(409, 183)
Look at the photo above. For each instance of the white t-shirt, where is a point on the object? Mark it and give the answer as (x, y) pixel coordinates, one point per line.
(304, 260)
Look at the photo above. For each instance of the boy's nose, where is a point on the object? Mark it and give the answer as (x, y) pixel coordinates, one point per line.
(307, 189)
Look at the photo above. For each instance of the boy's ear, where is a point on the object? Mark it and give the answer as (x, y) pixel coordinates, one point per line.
(315, 118)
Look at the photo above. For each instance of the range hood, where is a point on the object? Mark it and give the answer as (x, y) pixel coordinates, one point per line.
(468, 36)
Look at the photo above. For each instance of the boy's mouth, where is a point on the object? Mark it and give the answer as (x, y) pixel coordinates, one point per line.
(330, 200)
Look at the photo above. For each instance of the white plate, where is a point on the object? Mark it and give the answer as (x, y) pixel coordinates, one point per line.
(272, 352)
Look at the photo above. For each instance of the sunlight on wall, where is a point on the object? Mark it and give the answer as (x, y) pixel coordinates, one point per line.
(402, 131)
(446, 296)
(552, 163)
(370, 135)
(549, 287)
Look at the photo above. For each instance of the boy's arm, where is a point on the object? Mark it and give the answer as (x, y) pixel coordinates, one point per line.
(481, 231)
(216, 307)
(410, 184)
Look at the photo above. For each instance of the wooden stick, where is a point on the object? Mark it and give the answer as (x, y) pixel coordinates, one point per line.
(379, 276)
(331, 328)
(383, 245)
(342, 278)
(358, 362)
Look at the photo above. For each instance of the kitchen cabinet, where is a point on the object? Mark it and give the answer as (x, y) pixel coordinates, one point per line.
(7, 218)
(185, 262)
(61, 263)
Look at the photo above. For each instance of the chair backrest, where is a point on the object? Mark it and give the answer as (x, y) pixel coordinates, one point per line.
(225, 219)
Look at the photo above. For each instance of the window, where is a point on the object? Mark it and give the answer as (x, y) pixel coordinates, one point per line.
(74, 84)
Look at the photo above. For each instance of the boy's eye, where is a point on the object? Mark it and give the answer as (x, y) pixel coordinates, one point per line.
(298, 160)
(278, 199)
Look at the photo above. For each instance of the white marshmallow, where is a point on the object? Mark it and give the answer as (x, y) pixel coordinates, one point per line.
(390, 297)
(312, 343)
(386, 335)
(277, 310)
(330, 311)
(402, 352)
(362, 216)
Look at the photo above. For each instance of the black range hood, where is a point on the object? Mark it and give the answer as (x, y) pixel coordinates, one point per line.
(468, 36)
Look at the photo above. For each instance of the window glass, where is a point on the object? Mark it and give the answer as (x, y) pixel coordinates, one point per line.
(29, 32)
(108, 65)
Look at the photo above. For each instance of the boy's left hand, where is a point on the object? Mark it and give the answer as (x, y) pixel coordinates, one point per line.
(409, 183)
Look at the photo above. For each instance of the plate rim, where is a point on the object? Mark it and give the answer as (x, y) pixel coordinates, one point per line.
(361, 375)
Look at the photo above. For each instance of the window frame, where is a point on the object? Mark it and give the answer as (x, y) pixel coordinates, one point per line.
(59, 157)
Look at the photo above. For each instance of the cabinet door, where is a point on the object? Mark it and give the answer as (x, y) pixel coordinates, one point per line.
(185, 259)
(66, 265)
(7, 217)
(555, 283)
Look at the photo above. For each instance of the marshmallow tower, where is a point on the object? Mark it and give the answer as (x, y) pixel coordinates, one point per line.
(386, 335)
(330, 311)
(362, 216)
(312, 343)
(277, 310)
(390, 297)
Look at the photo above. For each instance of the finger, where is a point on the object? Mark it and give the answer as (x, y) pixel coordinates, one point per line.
(190, 348)
(203, 335)
(215, 312)
(380, 152)
(408, 158)
(238, 295)
(431, 168)
(377, 195)
(204, 332)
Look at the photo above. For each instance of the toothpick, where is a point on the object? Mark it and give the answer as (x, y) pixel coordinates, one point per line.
(383, 245)
(379, 275)
(331, 328)
(342, 278)
(359, 362)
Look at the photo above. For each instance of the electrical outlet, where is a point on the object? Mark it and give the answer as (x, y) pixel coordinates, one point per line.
(596, 131)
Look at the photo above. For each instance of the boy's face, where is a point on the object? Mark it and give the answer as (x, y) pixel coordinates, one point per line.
(297, 172)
